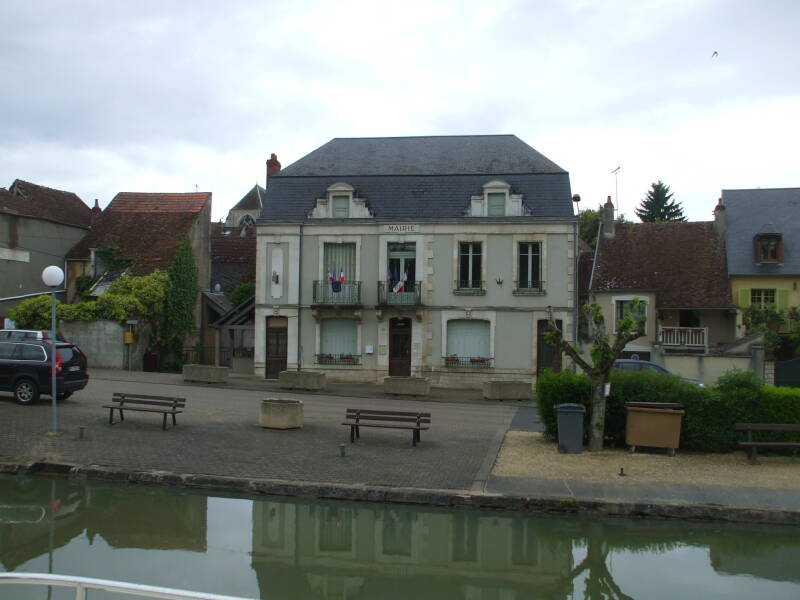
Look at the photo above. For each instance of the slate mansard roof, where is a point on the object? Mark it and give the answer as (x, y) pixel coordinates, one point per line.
(420, 178)
(749, 212)
(684, 263)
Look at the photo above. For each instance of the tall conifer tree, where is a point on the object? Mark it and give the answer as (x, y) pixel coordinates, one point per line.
(658, 206)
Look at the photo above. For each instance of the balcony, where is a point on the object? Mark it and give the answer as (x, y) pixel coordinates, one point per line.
(338, 359)
(328, 293)
(683, 337)
(471, 287)
(522, 288)
(410, 296)
(469, 362)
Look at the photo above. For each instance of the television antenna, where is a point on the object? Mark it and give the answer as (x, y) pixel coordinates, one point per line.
(615, 173)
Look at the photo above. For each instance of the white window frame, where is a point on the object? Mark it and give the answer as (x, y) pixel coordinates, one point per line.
(482, 239)
(479, 206)
(461, 315)
(356, 207)
(516, 240)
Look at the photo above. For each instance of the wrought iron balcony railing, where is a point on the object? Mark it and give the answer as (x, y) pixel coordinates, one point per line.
(338, 359)
(409, 294)
(469, 287)
(334, 293)
(529, 287)
(475, 362)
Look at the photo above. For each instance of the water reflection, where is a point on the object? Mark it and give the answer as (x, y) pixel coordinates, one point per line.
(277, 549)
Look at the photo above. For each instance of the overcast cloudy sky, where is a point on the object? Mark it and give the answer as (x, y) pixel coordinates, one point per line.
(100, 97)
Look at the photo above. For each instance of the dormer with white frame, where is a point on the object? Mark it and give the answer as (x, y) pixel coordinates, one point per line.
(341, 202)
(497, 201)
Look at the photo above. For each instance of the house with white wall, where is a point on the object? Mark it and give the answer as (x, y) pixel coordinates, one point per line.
(435, 256)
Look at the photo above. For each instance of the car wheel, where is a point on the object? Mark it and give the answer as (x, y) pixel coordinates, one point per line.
(26, 391)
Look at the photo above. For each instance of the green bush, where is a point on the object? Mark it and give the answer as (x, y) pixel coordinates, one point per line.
(710, 413)
(558, 388)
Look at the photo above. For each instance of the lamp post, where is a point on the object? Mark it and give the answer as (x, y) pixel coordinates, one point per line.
(52, 277)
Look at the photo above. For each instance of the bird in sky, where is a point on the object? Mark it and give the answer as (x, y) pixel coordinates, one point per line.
(715, 54)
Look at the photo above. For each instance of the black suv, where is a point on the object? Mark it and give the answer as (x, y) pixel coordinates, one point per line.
(25, 368)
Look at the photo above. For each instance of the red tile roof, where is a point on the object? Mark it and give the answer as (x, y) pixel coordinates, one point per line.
(233, 256)
(147, 228)
(160, 203)
(39, 201)
(684, 263)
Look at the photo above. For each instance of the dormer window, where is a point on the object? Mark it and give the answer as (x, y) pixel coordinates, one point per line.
(769, 248)
(340, 202)
(496, 201)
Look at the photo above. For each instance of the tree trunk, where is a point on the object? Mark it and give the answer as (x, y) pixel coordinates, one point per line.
(598, 417)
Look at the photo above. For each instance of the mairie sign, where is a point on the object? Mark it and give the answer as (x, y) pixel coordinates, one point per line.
(401, 228)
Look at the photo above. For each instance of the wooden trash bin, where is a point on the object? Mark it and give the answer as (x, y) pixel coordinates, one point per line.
(653, 425)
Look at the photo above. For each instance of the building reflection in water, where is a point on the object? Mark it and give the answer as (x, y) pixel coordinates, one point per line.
(349, 551)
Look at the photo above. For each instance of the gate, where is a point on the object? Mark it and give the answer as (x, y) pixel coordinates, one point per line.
(787, 373)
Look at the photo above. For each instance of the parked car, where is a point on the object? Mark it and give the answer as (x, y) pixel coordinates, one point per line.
(28, 334)
(626, 364)
(25, 368)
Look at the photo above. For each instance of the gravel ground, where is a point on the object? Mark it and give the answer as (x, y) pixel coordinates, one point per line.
(528, 454)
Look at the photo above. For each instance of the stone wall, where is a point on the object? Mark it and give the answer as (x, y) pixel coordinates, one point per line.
(104, 345)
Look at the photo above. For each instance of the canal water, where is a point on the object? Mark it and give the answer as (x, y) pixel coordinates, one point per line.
(296, 549)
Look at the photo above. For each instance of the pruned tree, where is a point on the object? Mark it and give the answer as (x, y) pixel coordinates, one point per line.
(603, 353)
(658, 205)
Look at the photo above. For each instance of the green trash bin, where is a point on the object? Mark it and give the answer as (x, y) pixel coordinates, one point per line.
(570, 427)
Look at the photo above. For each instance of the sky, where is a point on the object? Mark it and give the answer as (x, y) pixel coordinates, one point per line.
(100, 97)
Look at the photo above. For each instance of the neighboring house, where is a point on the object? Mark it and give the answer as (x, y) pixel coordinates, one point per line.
(762, 237)
(678, 269)
(233, 260)
(148, 228)
(38, 226)
(428, 256)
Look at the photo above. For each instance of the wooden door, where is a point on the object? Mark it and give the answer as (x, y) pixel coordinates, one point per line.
(276, 349)
(546, 355)
(400, 347)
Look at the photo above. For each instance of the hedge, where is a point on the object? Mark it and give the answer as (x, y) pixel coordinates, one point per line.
(711, 413)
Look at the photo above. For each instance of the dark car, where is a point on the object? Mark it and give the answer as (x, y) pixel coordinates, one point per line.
(25, 369)
(626, 364)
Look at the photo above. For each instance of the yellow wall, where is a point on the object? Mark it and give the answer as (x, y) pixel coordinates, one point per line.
(791, 283)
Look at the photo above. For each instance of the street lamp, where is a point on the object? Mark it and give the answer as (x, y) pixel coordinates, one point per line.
(52, 277)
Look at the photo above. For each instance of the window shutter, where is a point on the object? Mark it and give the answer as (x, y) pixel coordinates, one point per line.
(338, 336)
(744, 298)
(782, 299)
(468, 338)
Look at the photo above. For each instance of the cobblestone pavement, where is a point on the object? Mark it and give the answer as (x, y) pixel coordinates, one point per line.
(218, 434)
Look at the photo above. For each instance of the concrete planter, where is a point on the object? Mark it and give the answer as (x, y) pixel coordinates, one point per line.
(278, 413)
(301, 380)
(407, 386)
(507, 390)
(205, 373)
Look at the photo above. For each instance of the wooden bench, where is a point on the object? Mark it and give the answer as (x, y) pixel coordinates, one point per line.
(753, 446)
(392, 419)
(165, 405)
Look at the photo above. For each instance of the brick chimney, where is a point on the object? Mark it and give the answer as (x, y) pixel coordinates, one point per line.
(96, 212)
(719, 218)
(273, 166)
(608, 219)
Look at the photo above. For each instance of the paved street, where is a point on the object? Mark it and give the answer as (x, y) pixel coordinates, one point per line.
(218, 434)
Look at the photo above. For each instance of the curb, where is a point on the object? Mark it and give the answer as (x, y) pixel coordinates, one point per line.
(459, 499)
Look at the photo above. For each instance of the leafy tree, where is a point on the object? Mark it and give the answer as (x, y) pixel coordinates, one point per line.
(178, 318)
(243, 290)
(33, 313)
(658, 206)
(603, 354)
